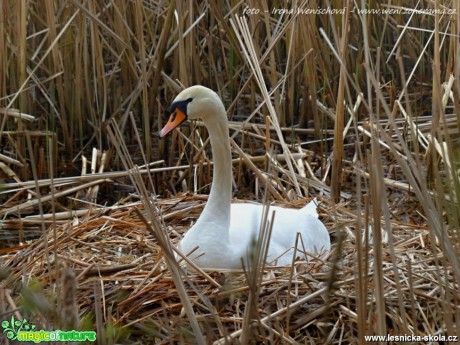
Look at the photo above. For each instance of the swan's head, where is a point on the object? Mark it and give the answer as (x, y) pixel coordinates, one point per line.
(193, 103)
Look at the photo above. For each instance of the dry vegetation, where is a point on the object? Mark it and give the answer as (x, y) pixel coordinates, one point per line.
(361, 110)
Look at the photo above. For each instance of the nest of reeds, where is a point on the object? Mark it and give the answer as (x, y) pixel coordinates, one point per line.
(109, 265)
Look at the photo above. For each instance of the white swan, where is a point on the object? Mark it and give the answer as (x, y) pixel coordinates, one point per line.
(224, 231)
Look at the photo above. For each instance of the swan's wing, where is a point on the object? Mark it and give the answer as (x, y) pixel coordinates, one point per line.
(288, 223)
(244, 222)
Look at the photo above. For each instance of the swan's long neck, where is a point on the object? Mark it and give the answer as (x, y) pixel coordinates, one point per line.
(216, 213)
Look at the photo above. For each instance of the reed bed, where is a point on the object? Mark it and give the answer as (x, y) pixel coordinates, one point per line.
(357, 108)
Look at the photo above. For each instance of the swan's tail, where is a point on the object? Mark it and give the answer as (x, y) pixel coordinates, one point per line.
(311, 207)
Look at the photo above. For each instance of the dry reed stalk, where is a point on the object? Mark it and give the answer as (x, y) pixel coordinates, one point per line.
(158, 230)
(58, 181)
(252, 58)
(337, 151)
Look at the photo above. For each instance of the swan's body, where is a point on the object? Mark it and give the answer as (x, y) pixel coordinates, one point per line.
(224, 232)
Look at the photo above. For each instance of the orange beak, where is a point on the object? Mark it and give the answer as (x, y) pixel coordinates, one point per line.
(176, 118)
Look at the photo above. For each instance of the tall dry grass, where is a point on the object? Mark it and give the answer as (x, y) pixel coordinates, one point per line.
(372, 101)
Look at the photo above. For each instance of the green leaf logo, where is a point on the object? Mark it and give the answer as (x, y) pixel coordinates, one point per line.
(13, 327)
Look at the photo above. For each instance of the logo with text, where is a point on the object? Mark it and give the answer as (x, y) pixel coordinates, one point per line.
(25, 331)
